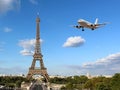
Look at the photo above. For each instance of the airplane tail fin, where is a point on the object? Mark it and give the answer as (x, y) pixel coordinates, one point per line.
(96, 21)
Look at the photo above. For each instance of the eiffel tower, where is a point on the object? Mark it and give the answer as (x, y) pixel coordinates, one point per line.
(38, 57)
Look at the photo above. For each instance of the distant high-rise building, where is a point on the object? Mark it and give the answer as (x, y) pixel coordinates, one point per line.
(88, 75)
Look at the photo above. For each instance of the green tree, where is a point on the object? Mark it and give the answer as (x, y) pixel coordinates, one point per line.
(79, 79)
(89, 85)
(18, 83)
(107, 84)
(83, 79)
(115, 82)
(69, 79)
(102, 86)
(69, 86)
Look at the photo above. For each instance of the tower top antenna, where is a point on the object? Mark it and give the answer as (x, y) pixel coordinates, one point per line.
(37, 19)
(37, 14)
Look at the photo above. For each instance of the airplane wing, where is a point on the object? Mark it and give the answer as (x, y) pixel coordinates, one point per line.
(102, 24)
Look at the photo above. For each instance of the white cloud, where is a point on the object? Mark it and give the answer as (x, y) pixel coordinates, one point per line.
(6, 29)
(8, 5)
(27, 43)
(33, 1)
(75, 41)
(26, 52)
(107, 65)
(28, 46)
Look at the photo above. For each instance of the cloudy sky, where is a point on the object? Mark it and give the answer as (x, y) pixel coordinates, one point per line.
(66, 50)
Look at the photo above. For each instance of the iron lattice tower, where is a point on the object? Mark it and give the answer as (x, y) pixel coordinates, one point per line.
(38, 56)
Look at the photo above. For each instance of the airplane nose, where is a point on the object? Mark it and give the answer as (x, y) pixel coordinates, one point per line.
(80, 20)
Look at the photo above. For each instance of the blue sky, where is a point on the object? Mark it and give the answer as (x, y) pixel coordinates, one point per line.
(96, 52)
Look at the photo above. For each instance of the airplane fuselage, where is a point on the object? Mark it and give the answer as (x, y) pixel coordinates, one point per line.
(86, 24)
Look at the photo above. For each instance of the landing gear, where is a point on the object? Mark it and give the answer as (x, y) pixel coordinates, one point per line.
(82, 29)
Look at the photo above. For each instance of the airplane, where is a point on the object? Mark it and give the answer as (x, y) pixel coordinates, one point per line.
(85, 24)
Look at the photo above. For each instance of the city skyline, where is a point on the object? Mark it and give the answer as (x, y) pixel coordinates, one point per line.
(66, 50)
